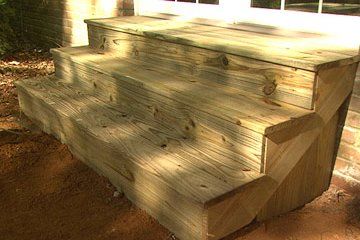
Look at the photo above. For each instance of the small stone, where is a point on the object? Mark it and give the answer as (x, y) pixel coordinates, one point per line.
(14, 63)
(117, 194)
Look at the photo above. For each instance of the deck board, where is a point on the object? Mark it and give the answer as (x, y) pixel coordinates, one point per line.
(196, 172)
(236, 107)
(289, 51)
(286, 84)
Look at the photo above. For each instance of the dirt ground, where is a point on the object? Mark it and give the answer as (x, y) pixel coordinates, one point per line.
(46, 193)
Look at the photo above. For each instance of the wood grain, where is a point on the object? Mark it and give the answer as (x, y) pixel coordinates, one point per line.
(308, 179)
(243, 43)
(256, 114)
(205, 127)
(185, 121)
(155, 178)
(286, 84)
(237, 210)
(327, 79)
(125, 133)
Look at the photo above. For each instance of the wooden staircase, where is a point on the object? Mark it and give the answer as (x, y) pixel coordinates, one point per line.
(205, 127)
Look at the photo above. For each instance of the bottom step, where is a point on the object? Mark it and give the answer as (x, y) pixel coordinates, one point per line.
(195, 192)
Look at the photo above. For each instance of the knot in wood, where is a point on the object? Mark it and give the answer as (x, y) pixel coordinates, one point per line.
(224, 60)
(102, 46)
(269, 87)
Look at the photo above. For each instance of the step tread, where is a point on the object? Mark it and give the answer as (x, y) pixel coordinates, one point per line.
(251, 41)
(190, 168)
(253, 112)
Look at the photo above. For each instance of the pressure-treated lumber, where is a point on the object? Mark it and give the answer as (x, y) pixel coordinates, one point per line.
(209, 114)
(304, 52)
(255, 113)
(205, 127)
(182, 176)
(308, 179)
(286, 84)
(286, 160)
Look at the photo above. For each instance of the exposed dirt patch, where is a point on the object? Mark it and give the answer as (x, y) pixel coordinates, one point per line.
(333, 216)
(46, 193)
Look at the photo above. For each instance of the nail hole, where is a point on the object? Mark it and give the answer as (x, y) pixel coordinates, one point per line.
(163, 145)
(192, 122)
(225, 61)
(156, 112)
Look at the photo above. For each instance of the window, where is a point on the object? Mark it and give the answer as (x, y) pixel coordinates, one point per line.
(197, 1)
(299, 13)
(270, 4)
(347, 7)
(302, 5)
(343, 7)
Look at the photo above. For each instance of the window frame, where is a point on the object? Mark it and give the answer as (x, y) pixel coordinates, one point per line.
(236, 11)
(168, 6)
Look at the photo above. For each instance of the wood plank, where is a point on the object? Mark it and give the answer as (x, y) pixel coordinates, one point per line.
(255, 113)
(80, 122)
(323, 42)
(184, 165)
(326, 80)
(289, 154)
(304, 44)
(176, 212)
(272, 81)
(188, 123)
(303, 57)
(309, 178)
(236, 211)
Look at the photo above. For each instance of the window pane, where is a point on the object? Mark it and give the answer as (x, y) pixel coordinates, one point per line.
(302, 5)
(272, 4)
(347, 7)
(209, 1)
(200, 1)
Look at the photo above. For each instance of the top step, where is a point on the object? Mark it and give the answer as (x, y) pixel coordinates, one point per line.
(300, 50)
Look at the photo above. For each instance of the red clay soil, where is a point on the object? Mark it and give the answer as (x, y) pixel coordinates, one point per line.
(46, 193)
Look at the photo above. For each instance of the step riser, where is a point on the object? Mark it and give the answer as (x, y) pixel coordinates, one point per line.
(182, 121)
(170, 208)
(286, 84)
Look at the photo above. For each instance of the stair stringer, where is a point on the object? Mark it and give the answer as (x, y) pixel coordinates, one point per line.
(286, 158)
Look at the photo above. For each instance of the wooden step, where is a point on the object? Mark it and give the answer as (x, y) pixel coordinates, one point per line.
(184, 184)
(267, 62)
(199, 109)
